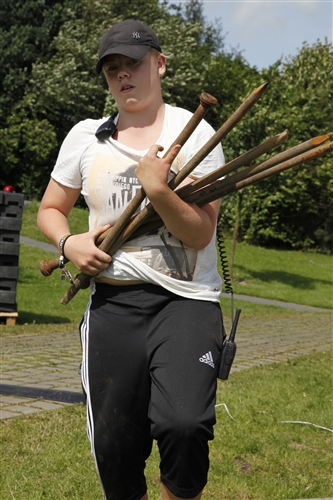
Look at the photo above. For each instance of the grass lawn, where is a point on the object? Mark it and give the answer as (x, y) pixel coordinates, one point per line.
(303, 278)
(286, 275)
(254, 456)
(38, 297)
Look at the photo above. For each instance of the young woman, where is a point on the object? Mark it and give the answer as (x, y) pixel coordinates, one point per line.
(152, 330)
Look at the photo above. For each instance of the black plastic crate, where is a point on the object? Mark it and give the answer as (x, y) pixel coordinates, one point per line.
(9, 236)
(7, 306)
(9, 272)
(7, 297)
(11, 204)
(7, 248)
(8, 261)
(10, 224)
(7, 285)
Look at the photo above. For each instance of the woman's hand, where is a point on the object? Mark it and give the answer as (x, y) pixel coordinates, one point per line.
(153, 171)
(82, 251)
(192, 225)
(52, 219)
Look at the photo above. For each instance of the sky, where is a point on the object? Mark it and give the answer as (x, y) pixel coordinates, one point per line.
(266, 30)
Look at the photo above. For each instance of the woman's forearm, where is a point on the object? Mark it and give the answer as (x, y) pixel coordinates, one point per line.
(52, 224)
(193, 225)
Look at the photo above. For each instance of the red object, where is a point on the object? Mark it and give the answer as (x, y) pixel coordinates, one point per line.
(9, 189)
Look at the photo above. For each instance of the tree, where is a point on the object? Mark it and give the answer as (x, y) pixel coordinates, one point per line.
(294, 209)
(61, 87)
(48, 83)
(28, 28)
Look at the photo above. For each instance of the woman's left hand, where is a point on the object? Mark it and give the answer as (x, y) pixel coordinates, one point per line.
(153, 171)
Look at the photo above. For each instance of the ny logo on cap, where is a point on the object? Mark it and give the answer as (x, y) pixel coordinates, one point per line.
(136, 34)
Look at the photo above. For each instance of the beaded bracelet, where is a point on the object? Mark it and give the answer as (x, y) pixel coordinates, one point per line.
(62, 243)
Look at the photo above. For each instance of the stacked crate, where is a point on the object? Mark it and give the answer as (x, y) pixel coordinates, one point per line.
(11, 209)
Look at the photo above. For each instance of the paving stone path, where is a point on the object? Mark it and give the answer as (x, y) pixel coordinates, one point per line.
(40, 371)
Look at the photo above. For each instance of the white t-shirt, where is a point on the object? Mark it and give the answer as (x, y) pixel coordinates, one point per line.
(105, 173)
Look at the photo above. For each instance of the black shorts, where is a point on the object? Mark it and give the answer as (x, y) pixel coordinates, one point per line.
(149, 370)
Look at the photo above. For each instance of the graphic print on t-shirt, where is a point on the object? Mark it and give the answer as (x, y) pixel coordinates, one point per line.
(165, 254)
(112, 185)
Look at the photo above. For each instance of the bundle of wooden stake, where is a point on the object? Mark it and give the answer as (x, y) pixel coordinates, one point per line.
(208, 188)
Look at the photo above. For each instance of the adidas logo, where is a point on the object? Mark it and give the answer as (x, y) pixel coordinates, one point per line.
(208, 359)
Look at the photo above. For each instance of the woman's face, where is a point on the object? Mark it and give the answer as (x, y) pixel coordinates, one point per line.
(134, 82)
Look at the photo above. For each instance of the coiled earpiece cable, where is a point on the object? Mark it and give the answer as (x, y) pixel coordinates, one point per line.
(229, 346)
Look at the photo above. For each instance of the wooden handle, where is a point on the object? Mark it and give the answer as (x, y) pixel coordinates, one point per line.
(222, 132)
(48, 266)
(141, 217)
(212, 190)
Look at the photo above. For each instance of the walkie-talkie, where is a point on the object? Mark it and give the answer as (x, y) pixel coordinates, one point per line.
(229, 350)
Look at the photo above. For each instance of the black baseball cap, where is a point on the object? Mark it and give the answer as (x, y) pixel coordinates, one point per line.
(129, 38)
